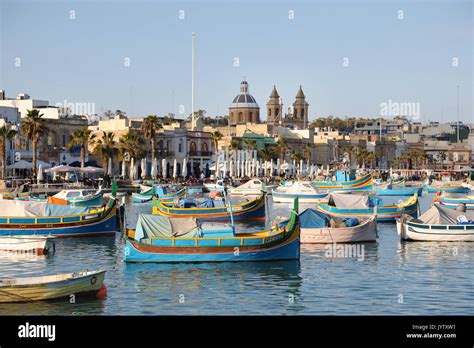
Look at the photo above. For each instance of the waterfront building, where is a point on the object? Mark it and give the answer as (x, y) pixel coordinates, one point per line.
(23, 102)
(244, 107)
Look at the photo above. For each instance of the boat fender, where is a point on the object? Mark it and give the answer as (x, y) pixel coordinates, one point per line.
(93, 280)
(102, 293)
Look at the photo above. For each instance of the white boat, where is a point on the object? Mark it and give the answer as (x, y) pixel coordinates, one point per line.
(218, 185)
(438, 224)
(75, 197)
(27, 244)
(251, 187)
(304, 191)
(315, 228)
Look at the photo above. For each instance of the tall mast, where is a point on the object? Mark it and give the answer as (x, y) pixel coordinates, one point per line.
(193, 122)
(457, 112)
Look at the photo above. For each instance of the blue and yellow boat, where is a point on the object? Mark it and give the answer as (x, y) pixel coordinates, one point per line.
(344, 205)
(156, 240)
(148, 194)
(252, 210)
(398, 191)
(453, 202)
(24, 218)
(345, 180)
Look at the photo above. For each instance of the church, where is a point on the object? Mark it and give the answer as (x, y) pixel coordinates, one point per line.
(245, 109)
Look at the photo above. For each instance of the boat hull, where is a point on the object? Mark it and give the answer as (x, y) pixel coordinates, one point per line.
(407, 191)
(88, 284)
(460, 189)
(21, 244)
(411, 231)
(302, 198)
(362, 181)
(365, 232)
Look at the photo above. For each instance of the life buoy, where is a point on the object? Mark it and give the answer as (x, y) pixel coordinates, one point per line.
(93, 280)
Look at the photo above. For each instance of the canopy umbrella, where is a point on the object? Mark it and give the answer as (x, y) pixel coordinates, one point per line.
(143, 165)
(132, 169)
(163, 168)
(217, 167)
(184, 171)
(40, 176)
(124, 169)
(301, 167)
(109, 167)
(175, 168)
(91, 169)
(242, 169)
(154, 170)
(271, 167)
(201, 165)
(278, 167)
(61, 169)
(257, 169)
(21, 164)
(237, 168)
(44, 164)
(231, 168)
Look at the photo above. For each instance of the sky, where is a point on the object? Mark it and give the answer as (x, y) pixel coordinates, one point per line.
(349, 56)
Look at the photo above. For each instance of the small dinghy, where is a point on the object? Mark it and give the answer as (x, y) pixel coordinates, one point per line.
(301, 190)
(39, 245)
(318, 228)
(52, 287)
(251, 187)
(438, 224)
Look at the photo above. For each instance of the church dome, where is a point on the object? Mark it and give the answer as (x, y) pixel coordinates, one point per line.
(244, 99)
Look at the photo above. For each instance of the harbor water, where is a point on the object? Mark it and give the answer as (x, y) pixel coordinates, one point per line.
(388, 277)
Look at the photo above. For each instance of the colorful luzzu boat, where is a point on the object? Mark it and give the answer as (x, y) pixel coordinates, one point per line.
(448, 189)
(252, 210)
(79, 197)
(26, 218)
(148, 193)
(360, 206)
(398, 191)
(345, 180)
(191, 242)
(14, 195)
(453, 202)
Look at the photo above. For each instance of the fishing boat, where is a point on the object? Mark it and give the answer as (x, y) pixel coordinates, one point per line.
(74, 197)
(389, 190)
(39, 245)
(438, 224)
(449, 201)
(447, 188)
(161, 239)
(218, 185)
(251, 187)
(251, 210)
(345, 179)
(52, 287)
(345, 205)
(27, 218)
(301, 190)
(148, 193)
(319, 228)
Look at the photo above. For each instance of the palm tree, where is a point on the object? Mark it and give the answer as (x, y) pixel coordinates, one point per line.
(132, 144)
(282, 146)
(6, 134)
(216, 137)
(349, 148)
(361, 156)
(297, 156)
(250, 143)
(82, 137)
(371, 158)
(234, 145)
(150, 126)
(266, 153)
(308, 151)
(105, 148)
(33, 126)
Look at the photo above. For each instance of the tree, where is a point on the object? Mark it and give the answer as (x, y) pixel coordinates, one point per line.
(105, 148)
(132, 144)
(297, 156)
(250, 143)
(266, 153)
(371, 158)
(216, 137)
(282, 146)
(150, 126)
(33, 126)
(234, 145)
(81, 137)
(6, 134)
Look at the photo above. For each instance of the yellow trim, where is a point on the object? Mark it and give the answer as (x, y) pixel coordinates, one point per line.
(214, 208)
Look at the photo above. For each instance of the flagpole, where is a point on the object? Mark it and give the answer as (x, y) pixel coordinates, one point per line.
(192, 84)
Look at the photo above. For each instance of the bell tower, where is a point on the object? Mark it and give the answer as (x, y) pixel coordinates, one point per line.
(300, 110)
(274, 108)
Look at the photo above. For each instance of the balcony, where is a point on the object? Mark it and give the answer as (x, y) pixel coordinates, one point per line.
(200, 154)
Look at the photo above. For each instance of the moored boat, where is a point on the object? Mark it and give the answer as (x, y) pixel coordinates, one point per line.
(319, 228)
(74, 197)
(188, 241)
(448, 188)
(398, 191)
(452, 202)
(363, 206)
(438, 224)
(39, 245)
(251, 187)
(252, 210)
(51, 287)
(303, 191)
(345, 179)
(26, 218)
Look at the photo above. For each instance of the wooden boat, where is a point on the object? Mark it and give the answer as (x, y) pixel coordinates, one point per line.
(398, 191)
(452, 202)
(148, 194)
(447, 188)
(39, 245)
(438, 224)
(74, 197)
(303, 191)
(351, 205)
(218, 185)
(252, 210)
(51, 287)
(316, 228)
(13, 195)
(25, 218)
(208, 244)
(251, 187)
(342, 182)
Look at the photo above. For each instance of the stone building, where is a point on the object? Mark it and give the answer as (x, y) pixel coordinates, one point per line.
(299, 115)
(244, 107)
(274, 109)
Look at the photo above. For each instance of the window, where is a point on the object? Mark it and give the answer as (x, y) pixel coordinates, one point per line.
(73, 194)
(269, 112)
(277, 111)
(180, 146)
(64, 139)
(204, 147)
(192, 147)
(241, 117)
(250, 116)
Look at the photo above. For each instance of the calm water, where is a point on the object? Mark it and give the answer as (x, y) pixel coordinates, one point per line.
(430, 279)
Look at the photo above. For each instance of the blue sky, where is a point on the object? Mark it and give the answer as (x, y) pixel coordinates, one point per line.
(82, 59)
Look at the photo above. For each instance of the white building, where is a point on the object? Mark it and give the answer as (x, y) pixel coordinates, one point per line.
(9, 114)
(23, 103)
